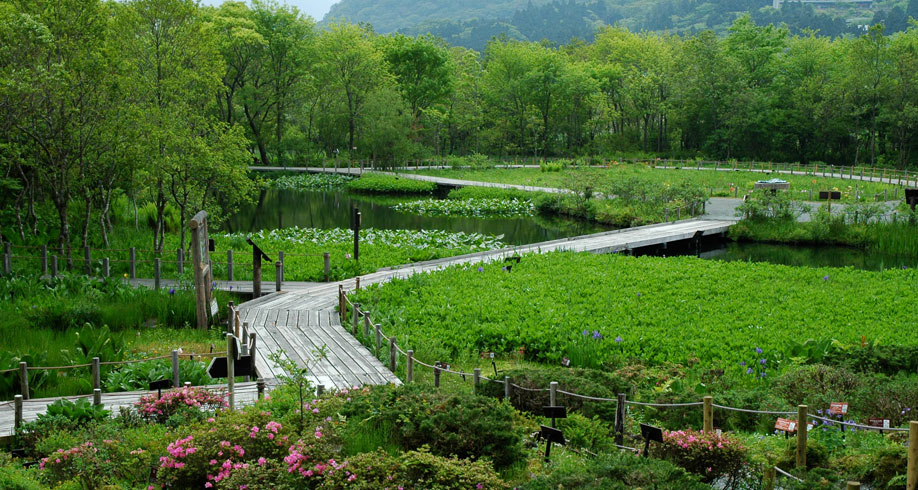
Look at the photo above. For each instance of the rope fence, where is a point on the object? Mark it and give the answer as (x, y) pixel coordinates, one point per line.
(347, 306)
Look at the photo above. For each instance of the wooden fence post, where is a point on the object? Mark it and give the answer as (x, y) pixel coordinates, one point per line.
(436, 371)
(409, 367)
(54, 266)
(106, 267)
(252, 339)
(260, 386)
(175, 369)
(96, 373)
(327, 257)
(231, 317)
(393, 354)
(96, 397)
(278, 275)
(280, 259)
(708, 426)
(156, 273)
(366, 326)
(506, 387)
(801, 436)
(87, 260)
(476, 381)
(231, 370)
(553, 393)
(355, 317)
(620, 420)
(666, 215)
(378, 337)
(911, 481)
(7, 264)
(768, 480)
(229, 265)
(44, 260)
(853, 485)
(133, 260)
(341, 312)
(180, 260)
(17, 416)
(24, 380)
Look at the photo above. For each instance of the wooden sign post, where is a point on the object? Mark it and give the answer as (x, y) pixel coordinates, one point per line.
(356, 219)
(203, 275)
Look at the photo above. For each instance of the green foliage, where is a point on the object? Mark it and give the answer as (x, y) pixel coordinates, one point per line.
(310, 182)
(482, 208)
(13, 477)
(615, 470)
(477, 192)
(389, 184)
(765, 205)
(138, 376)
(79, 412)
(464, 425)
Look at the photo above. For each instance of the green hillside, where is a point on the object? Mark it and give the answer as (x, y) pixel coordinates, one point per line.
(391, 15)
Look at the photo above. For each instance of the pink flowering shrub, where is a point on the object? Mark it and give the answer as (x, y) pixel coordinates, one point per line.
(159, 409)
(215, 450)
(95, 465)
(706, 454)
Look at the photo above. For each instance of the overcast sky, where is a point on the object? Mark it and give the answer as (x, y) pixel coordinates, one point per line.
(313, 8)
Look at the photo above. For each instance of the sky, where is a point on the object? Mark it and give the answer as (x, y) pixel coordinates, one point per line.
(313, 8)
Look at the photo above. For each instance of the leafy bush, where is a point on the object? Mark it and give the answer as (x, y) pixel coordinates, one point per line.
(413, 470)
(486, 208)
(706, 454)
(618, 471)
(817, 385)
(138, 376)
(199, 400)
(79, 412)
(310, 182)
(95, 465)
(585, 381)
(765, 205)
(464, 425)
(390, 184)
(478, 192)
(13, 477)
(873, 358)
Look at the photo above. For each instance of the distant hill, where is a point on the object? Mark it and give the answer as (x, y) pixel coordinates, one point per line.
(472, 23)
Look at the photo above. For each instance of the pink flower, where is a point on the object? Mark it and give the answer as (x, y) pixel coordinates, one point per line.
(208, 485)
(354, 477)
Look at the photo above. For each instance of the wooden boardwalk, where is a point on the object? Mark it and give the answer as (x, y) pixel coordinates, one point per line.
(246, 394)
(301, 320)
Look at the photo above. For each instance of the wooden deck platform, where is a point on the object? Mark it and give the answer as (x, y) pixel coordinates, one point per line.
(246, 394)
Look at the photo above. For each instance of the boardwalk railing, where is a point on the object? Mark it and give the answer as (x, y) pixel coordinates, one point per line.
(373, 330)
(127, 261)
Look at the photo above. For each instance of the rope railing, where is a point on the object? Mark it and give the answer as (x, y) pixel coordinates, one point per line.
(784, 473)
(663, 405)
(857, 426)
(746, 410)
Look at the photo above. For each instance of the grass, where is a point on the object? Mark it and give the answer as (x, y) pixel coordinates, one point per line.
(373, 183)
(898, 239)
(723, 183)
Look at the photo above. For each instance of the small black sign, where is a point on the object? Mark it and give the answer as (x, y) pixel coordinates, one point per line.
(555, 412)
(245, 366)
(552, 435)
(826, 195)
(651, 433)
(911, 197)
(162, 384)
(515, 258)
(211, 245)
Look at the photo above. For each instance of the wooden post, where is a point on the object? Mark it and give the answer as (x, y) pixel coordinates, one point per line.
(366, 326)
(229, 265)
(409, 367)
(280, 258)
(393, 354)
(133, 266)
(96, 373)
(180, 260)
(357, 283)
(476, 381)
(87, 260)
(54, 266)
(378, 337)
(7, 264)
(801, 436)
(252, 339)
(260, 386)
(24, 380)
(679, 213)
(278, 275)
(768, 479)
(341, 313)
(231, 318)
(506, 387)
(44, 260)
(175, 369)
(357, 223)
(553, 393)
(256, 274)
(853, 485)
(231, 371)
(911, 481)
(106, 267)
(436, 370)
(708, 426)
(327, 258)
(96, 397)
(156, 273)
(666, 215)
(17, 417)
(620, 420)
(355, 317)
(320, 389)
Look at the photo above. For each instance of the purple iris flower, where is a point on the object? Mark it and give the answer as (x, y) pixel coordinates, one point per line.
(742, 363)
(481, 269)
(758, 350)
(749, 371)
(618, 339)
(825, 277)
(762, 361)
(596, 334)
(171, 290)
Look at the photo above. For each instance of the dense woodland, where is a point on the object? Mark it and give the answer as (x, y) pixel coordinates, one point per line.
(167, 103)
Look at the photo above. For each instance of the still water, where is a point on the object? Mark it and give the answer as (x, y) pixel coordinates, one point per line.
(808, 256)
(277, 208)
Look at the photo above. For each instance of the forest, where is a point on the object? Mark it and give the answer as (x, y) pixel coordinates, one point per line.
(167, 103)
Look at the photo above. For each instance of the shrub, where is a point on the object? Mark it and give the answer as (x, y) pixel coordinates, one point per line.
(139, 375)
(706, 454)
(390, 184)
(584, 381)
(159, 409)
(885, 359)
(13, 477)
(80, 412)
(302, 182)
(464, 425)
(817, 385)
(95, 465)
(413, 470)
(619, 471)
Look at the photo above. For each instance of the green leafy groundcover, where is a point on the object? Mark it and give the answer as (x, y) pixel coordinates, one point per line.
(654, 309)
(302, 182)
(487, 208)
(390, 184)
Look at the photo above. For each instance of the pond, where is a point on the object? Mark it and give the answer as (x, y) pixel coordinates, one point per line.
(275, 208)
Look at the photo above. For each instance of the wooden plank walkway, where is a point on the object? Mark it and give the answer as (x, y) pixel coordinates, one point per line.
(300, 321)
(246, 394)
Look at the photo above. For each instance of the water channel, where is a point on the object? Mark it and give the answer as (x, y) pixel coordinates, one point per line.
(332, 209)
